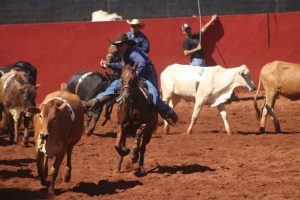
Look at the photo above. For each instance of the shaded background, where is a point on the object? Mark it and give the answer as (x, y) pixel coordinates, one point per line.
(35, 11)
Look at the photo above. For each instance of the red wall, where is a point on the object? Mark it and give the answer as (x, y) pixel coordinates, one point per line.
(59, 50)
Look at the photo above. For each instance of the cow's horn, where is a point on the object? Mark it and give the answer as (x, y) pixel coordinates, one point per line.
(62, 106)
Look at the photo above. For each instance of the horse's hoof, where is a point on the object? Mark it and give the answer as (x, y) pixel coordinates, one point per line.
(67, 176)
(122, 151)
(125, 151)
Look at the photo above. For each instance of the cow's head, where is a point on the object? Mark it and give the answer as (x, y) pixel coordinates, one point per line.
(28, 94)
(244, 78)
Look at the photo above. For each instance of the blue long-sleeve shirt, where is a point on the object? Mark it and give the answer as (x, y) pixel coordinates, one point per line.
(145, 68)
(141, 40)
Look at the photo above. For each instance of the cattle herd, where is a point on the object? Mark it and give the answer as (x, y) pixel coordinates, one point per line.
(58, 120)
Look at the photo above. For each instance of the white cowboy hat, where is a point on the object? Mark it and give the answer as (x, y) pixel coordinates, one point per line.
(136, 22)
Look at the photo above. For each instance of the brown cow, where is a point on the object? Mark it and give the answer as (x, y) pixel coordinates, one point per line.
(58, 127)
(16, 95)
(277, 78)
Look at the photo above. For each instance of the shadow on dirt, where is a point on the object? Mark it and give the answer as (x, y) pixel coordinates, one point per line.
(237, 99)
(104, 187)
(17, 193)
(106, 135)
(267, 133)
(184, 169)
(4, 143)
(17, 162)
(20, 173)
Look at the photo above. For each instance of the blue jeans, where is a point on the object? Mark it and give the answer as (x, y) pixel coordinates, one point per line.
(161, 106)
(198, 62)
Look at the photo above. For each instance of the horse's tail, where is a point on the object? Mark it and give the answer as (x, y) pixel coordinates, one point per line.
(258, 114)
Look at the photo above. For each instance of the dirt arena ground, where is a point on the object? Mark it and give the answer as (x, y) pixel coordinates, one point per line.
(205, 165)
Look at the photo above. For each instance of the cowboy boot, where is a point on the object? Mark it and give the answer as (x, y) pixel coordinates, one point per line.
(92, 104)
(171, 117)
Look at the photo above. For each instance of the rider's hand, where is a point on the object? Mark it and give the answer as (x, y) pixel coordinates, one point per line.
(214, 17)
(103, 63)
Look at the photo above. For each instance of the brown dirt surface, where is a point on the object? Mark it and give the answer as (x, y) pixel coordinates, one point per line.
(205, 165)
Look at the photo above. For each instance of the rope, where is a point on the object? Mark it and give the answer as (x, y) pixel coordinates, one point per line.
(200, 23)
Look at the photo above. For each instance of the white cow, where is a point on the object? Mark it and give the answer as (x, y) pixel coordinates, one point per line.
(205, 85)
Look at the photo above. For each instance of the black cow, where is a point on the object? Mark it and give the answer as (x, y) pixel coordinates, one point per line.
(87, 85)
(21, 66)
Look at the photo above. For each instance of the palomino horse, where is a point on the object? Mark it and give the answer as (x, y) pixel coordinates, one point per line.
(136, 116)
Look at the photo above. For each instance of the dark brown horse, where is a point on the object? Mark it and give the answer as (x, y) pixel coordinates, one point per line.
(136, 117)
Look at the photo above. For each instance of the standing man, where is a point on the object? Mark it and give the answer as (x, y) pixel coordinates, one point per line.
(139, 37)
(191, 45)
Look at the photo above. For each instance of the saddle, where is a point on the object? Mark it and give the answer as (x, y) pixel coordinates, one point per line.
(144, 89)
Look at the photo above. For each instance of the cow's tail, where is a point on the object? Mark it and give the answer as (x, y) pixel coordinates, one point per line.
(255, 102)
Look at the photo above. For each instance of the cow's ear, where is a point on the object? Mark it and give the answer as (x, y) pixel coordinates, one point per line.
(37, 86)
(33, 110)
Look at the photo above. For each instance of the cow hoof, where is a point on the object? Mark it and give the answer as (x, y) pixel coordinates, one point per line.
(44, 183)
(140, 172)
(261, 130)
(16, 140)
(89, 132)
(25, 142)
(135, 158)
(278, 131)
(67, 176)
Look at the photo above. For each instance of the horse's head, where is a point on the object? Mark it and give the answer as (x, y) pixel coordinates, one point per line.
(129, 80)
(112, 54)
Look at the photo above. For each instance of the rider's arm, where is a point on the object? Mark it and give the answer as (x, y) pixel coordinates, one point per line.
(114, 66)
(137, 58)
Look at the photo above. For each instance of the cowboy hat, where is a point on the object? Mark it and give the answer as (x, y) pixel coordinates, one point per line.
(121, 39)
(136, 22)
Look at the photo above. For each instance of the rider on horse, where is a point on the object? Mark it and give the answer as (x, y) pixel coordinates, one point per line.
(145, 70)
